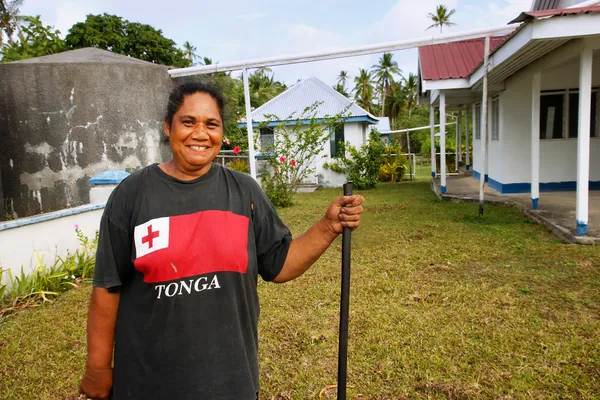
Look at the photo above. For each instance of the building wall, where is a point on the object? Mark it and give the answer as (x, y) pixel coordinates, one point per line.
(354, 133)
(49, 239)
(558, 157)
(60, 124)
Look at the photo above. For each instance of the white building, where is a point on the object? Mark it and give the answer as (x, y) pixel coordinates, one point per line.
(543, 117)
(290, 105)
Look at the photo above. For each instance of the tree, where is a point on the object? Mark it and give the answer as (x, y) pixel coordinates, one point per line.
(35, 40)
(441, 17)
(341, 89)
(206, 61)
(9, 18)
(411, 89)
(342, 78)
(190, 52)
(384, 71)
(263, 86)
(396, 103)
(363, 89)
(113, 33)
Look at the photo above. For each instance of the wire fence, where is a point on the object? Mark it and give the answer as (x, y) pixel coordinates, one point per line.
(419, 165)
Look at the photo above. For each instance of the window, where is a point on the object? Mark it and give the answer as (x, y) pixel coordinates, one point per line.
(336, 138)
(574, 114)
(267, 139)
(559, 114)
(496, 118)
(478, 122)
(551, 116)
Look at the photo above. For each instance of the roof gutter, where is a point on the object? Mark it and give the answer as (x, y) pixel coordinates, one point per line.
(349, 52)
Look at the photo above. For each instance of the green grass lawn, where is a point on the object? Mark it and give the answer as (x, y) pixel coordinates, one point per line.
(444, 305)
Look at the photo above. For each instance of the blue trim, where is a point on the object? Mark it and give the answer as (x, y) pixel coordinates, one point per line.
(477, 176)
(110, 177)
(581, 228)
(433, 174)
(468, 167)
(534, 203)
(363, 118)
(49, 216)
(525, 187)
(443, 189)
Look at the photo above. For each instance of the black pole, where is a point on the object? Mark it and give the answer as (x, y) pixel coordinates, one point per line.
(344, 305)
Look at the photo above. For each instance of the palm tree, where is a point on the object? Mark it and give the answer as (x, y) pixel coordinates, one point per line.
(341, 89)
(190, 51)
(384, 71)
(263, 86)
(411, 90)
(9, 18)
(342, 78)
(363, 89)
(441, 17)
(206, 61)
(396, 101)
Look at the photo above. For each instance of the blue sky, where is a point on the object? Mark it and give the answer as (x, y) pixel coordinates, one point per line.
(230, 30)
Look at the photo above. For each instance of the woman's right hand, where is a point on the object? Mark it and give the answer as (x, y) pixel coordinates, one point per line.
(97, 383)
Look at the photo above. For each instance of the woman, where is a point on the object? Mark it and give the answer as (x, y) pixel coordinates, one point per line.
(181, 247)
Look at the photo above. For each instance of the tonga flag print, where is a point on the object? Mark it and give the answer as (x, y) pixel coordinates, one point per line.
(182, 246)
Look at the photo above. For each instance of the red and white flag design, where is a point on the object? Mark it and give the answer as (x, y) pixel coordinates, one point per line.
(151, 236)
(182, 246)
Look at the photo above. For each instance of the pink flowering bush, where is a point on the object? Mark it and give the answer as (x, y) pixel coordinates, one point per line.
(295, 148)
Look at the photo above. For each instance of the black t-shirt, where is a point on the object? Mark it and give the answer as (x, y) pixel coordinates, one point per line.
(185, 256)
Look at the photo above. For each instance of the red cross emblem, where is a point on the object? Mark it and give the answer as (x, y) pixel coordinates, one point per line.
(151, 236)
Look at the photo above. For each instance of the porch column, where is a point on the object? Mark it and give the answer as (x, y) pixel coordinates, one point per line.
(484, 123)
(467, 138)
(432, 135)
(583, 139)
(443, 141)
(460, 141)
(457, 140)
(251, 151)
(535, 139)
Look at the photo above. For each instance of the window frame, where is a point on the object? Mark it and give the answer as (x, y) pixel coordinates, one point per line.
(566, 111)
(477, 127)
(495, 118)
(263, 134)
(334, 140)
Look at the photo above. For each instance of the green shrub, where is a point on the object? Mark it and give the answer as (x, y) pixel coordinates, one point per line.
(394, 165)
(46, 281)
(240, 165)
(362, 167)
(277, 192)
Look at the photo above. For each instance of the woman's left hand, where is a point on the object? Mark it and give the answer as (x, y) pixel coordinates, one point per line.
(344, 212)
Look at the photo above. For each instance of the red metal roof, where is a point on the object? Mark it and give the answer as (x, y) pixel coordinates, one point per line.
(559, 12)
(454, 60)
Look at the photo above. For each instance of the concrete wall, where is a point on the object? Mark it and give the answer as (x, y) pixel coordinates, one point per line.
(62, 123)
(558, 157)
(50, 235)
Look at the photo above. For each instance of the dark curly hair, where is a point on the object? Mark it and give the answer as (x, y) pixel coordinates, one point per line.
(185, 89)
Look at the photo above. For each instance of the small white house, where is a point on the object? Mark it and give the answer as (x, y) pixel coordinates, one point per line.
(289, 106)
(543, 103)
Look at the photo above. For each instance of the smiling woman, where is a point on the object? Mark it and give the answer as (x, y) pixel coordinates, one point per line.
(194, 126)
(180, 250)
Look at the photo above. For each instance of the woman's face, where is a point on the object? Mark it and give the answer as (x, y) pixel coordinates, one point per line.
(195, 134)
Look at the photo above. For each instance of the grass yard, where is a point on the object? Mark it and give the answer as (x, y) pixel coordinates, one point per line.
(444, 305)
